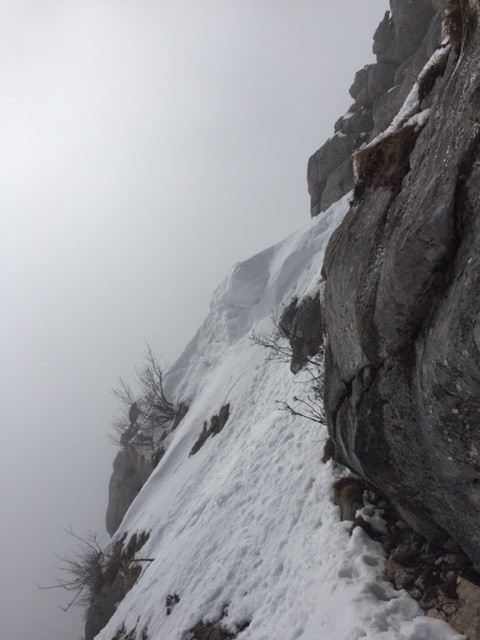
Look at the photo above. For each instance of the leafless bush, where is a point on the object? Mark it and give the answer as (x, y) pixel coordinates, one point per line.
(308, 403)
(147, 414)
(275, 341)
(87, 567)
(81, 569)
(278, 340)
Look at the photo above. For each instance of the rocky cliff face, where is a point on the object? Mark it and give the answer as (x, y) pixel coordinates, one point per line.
(402, 287)
(131, 470)
(403, 42)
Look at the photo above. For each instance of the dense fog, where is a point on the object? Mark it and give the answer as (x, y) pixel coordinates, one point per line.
(146, 146)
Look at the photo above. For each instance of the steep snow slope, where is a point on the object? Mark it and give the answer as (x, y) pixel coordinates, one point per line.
(247, 522)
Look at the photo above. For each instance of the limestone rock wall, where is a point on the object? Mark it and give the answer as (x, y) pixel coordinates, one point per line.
(403, 42)
(133, 465)
(402, 307)
(130, 472)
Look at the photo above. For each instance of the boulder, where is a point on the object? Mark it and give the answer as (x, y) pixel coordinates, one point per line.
(301, 323)
(466, 618)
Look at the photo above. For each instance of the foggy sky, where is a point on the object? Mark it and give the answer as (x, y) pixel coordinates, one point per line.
(145, 147)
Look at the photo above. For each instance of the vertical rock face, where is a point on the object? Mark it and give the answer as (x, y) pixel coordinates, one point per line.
(103, 607)
(116, 573)
(403, 307)
(403, 42)
(133, 465)
(130, 472)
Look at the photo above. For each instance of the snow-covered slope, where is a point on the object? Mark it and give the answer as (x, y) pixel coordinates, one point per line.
(247, 522)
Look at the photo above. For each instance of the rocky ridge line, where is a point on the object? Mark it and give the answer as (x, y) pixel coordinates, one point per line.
(403, 42)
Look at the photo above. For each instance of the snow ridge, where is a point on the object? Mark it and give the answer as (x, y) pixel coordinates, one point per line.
(247, 522)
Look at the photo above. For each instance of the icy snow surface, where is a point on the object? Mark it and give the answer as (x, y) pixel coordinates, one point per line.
(248, 521)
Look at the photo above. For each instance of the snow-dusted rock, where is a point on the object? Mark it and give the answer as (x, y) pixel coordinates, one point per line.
(404, 41)
(403, 273)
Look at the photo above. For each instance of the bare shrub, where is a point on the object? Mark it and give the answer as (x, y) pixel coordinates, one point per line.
(82, 568)
(275, 341)
(278, 342)
(87, 567)
(146, 415)
(387, 162)
(308, 403)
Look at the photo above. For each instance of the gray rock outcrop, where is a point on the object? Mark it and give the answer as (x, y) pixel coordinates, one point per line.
(402, 309)
(217, 422)
(133, 465)
(117, 572)
(130, 472)
(301, 323)
(103, 606)
(403, 42)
